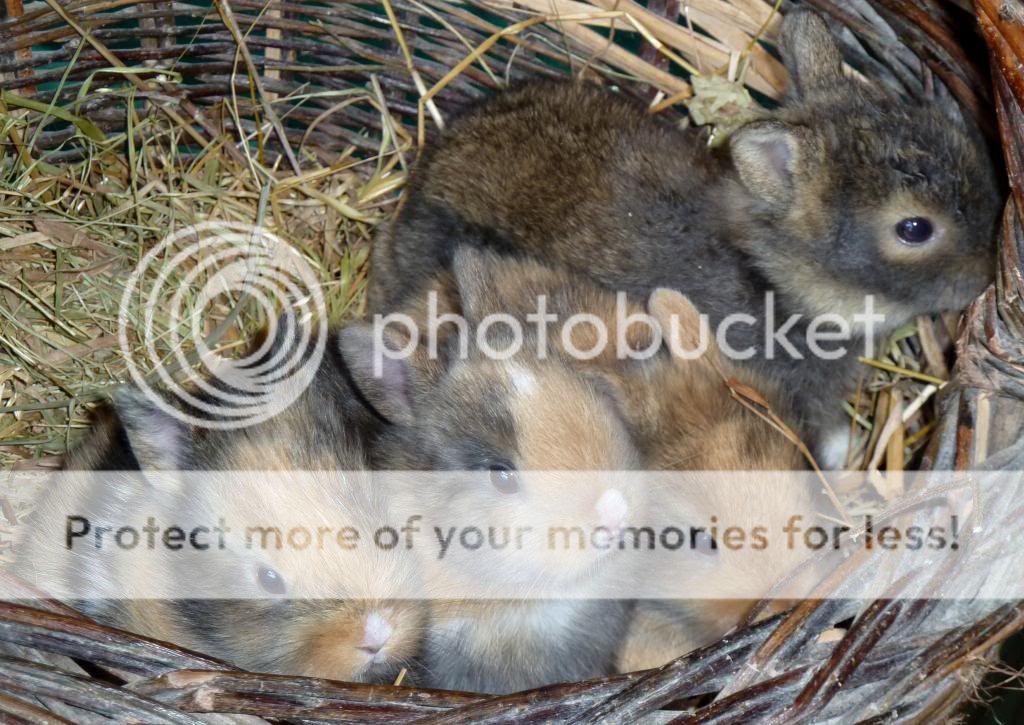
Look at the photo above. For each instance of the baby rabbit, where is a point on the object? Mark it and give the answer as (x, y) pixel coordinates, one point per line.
(691, 421)
(845, 192)
(684, 417)
(516, 431)
(285, 612)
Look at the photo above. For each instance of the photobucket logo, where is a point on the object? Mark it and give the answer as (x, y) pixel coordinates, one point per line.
(585, 336)
(169, 300)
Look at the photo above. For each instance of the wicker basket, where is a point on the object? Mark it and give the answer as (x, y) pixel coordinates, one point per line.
(312, 86)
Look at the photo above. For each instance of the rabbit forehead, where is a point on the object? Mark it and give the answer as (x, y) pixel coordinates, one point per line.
(562, 423)
(875, 144)
(542, 411)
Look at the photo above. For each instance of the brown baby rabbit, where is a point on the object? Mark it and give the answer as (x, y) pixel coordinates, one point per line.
(692, 421)
(846, 191)
(329, 613)
(516, 432)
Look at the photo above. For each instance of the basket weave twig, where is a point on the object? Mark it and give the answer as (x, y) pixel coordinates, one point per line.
(304, 92)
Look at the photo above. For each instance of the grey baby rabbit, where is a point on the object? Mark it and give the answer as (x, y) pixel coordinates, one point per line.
(288, 616)
(527, 426)
(845, 191)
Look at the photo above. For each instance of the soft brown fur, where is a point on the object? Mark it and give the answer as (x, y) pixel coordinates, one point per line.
(683, 413)
(693, 421)
(310, 446)
(803, 205)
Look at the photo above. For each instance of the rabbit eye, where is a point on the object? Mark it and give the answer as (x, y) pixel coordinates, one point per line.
(704, 543)
(270, 581)
(505, 478)
(915, 230)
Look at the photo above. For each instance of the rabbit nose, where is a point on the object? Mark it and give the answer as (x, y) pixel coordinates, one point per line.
(376, 634)
(612, 509)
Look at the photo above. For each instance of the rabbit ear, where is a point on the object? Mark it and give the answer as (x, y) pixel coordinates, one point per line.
(380, 368)
(159, 440)
(810, 52)
(475, 274)
(766, 155)
(686, 332)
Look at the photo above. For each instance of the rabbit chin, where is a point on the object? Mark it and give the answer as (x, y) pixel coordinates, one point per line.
(369, 645)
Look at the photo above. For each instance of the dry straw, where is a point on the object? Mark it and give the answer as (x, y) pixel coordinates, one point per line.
(121, 120)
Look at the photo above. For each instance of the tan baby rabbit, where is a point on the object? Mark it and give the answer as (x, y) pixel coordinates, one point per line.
(692, 421)
(517, 431)
(847, 191)
(333, 613)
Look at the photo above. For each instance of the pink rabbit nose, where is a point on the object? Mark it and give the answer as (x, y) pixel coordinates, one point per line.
(612, 509)
(377, 633)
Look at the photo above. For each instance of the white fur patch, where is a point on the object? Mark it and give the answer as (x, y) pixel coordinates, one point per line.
(523, 381)
(832, 452)
(612, 509)
(378, 631)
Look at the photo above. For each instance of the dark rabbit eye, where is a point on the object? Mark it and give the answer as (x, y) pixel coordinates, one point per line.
(270, 581)
(504, 478)
(705, 543)
(914, 230)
